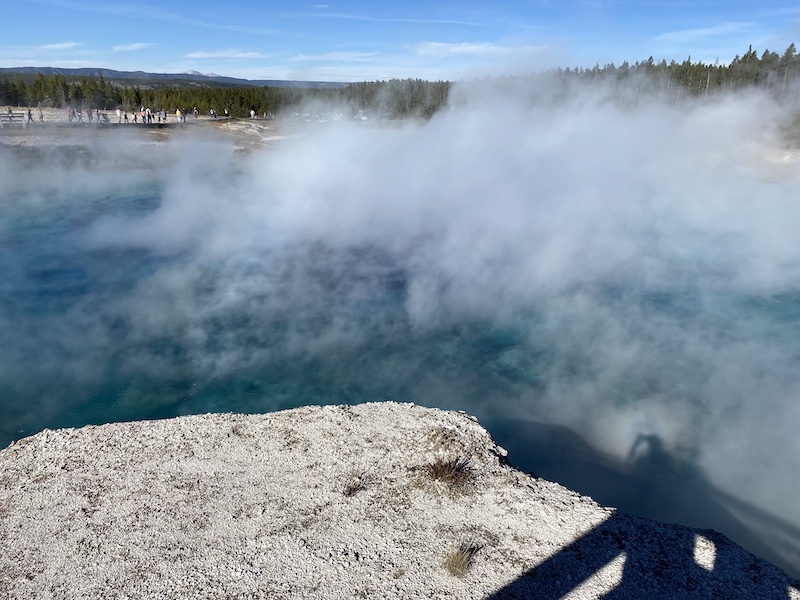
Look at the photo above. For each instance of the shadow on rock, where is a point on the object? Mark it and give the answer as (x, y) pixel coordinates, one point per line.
(629, 557)
(650, 482)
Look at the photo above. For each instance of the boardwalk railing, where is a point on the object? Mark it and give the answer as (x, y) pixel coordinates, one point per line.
(12, 118)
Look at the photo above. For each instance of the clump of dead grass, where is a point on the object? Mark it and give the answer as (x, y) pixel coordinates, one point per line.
(353, 487)
(459, 561)
(455, 472)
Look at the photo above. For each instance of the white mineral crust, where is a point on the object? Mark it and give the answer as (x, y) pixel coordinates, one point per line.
(329, 502)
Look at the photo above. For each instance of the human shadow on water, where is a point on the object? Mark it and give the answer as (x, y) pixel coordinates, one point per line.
(658, 561)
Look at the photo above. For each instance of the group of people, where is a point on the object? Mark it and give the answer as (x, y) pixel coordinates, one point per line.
(77, 115)
(145, 113)
(73, 115)
(213, 114)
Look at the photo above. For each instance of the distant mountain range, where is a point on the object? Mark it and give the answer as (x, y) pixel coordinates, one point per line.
(143, 78)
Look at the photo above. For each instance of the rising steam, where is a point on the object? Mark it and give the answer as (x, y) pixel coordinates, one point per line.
(621, 270)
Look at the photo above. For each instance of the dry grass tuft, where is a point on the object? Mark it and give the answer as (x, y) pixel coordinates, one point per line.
(456, 472)
(459, 561)
(353, 487)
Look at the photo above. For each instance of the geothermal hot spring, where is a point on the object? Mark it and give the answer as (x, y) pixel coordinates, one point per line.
(613, 291)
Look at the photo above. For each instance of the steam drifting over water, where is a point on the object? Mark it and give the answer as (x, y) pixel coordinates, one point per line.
(631, 274)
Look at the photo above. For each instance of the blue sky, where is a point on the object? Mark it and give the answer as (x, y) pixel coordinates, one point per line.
(355, 40)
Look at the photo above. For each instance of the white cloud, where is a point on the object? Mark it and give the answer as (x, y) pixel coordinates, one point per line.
(356, 17)
(226, 54)
(66, 64)
(335, 56)
(442, 50)
(131, 47)
(686, 36)
(60, 46)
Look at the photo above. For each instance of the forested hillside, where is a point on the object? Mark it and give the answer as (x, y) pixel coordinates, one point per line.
(777, 73)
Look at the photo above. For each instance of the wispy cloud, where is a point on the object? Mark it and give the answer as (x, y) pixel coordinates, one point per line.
(442, 50)
(477, 50)
(226, 54)
(335, 56)
(686, 36)
(66, 64)
(319, 6)
(59, 46)
(154, 12)
(354, 17)
(131, 47)
(780, 12)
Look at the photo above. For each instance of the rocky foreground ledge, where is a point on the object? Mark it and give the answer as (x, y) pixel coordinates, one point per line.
(371, 501)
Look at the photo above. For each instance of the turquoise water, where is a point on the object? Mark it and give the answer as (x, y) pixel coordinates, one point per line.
(135, 300)
(77, 350)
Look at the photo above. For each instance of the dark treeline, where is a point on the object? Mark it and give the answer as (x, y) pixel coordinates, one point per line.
(777, 73)
(390, 99)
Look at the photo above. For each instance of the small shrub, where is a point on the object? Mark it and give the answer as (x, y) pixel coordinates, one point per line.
(459, 561)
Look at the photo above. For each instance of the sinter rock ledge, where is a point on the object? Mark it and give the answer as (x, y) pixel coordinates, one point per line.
(379, 500)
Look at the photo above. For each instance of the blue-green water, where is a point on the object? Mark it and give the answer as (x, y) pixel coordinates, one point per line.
(635, 360)
(95, 333)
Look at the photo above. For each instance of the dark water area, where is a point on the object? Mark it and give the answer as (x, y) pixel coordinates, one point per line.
(629, 390)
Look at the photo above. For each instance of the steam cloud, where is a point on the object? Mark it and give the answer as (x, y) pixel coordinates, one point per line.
(619, 270)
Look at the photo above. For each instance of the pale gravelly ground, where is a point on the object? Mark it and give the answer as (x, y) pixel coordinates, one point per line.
(329, 502)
